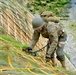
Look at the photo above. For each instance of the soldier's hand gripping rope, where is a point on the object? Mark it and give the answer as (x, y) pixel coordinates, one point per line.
(34, 53)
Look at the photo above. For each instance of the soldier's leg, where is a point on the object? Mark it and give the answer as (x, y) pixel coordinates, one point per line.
(47, 58)
(50, 54)
(52, 58)
(60, 55)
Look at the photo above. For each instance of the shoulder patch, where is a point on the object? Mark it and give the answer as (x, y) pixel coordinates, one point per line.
(49, 30)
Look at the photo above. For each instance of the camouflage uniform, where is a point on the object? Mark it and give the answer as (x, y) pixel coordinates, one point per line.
(53, 32)
(50, 31)
(61, 36)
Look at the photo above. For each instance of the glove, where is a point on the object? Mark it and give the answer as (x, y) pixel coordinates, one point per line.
(28, 49)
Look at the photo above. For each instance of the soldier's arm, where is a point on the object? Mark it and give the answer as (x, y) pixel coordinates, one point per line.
(62, 35)
(53, 45)
(34, 39)
(52, 30)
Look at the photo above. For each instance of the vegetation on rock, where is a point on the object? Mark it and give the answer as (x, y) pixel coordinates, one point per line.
(14, 61)
(38, 6)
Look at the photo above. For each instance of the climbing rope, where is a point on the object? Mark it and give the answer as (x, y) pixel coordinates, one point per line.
(35, 52)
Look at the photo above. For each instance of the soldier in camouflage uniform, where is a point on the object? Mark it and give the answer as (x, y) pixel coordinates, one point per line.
(46, 24)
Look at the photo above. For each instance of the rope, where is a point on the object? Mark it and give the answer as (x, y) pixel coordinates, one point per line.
(35, 52)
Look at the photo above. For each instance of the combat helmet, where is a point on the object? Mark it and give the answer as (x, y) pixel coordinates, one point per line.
(37, 21)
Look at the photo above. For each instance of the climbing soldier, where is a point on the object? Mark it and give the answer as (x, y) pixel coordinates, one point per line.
(47, 25)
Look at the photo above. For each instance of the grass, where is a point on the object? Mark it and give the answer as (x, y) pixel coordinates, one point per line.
(16, 43)
(66, 71)
(19, 62)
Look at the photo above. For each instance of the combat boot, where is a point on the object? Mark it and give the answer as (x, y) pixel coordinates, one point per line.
(54, 64)
(63, 64)
(47, 60)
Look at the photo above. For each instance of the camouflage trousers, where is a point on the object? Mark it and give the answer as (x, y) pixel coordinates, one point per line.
(59, 53)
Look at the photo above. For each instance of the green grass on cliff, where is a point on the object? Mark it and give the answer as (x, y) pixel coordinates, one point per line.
(13, 61)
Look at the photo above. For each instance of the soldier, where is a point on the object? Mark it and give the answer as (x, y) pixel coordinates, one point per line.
(46, 24)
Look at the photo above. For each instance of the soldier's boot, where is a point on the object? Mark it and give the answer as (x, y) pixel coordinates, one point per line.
(47, 60)
(54, 64)
(63, 64)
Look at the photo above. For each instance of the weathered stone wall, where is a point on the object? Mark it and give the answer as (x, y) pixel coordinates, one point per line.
(16, 29)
